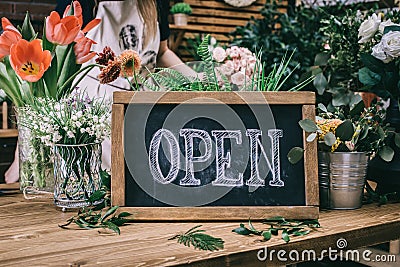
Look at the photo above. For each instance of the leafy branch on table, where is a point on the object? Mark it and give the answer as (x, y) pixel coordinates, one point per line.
(199, 240)
(287, 228)
(102, 215)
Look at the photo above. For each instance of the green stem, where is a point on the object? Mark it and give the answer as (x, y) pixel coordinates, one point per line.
(70, 79)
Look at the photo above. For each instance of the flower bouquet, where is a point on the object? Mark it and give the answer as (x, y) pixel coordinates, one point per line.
(31, 67)
(75, 126)
(380, 53)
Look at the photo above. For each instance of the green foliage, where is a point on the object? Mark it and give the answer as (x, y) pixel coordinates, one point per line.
(210, 78)
(277, 33)
(199, 240)
(360, 129)
(102, 215)
(183, 8)
(286, 227)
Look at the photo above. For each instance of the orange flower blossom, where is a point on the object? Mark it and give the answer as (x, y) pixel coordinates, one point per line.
(29, 60)
(9, 37)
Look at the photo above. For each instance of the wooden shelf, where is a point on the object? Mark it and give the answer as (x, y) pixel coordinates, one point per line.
(8, 133)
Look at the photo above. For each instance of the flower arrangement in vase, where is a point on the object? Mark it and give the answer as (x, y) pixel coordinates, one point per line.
(74, 126)
(31, 67)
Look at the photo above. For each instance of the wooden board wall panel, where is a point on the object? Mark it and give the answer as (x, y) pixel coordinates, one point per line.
(117, 161)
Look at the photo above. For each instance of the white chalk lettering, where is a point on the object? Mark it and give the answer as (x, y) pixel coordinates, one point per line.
(173, 152)
(223, 162)
(189, 135)
(255, 143)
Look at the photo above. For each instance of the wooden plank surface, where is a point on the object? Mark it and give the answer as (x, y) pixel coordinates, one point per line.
(284, 98)
(29, 236)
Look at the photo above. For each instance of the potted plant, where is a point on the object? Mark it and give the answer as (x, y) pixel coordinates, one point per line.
(346, 140)
(180, 11)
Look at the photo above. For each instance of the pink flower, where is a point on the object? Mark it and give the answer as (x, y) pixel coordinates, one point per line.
(238, 78)
(9, 37)
(219, 54)
(82, 49)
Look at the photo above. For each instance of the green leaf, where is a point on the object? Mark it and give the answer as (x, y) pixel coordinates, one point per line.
(242, 230)
(321, 59)
(320, 83)
(311, 137)
(357, 109)
(322, 107)
(308, 125)
(345, 130)
(97, 195)
(109, 212)
(368, 77)
(386, 153)
(266, 235)
(372, 63)
(285, 236)
(254, 230)
(27, 31)
(124, 214)
(397, 139)
(391, 28)
(301, 233)
(329, 139)
(105, 179)
(45, 43)
(295, 155)
(278, 219)
(112, 227)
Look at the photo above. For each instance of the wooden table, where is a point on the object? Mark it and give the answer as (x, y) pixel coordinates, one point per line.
(29, 236)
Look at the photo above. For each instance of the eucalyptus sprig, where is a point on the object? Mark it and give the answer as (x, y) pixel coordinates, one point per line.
(278, 224)
(199, 240)
(102, 215)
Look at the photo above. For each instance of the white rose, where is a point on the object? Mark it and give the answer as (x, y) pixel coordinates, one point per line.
(368, 28)
(377, 52)
(391, 44)
(219, 54)
(383, 24)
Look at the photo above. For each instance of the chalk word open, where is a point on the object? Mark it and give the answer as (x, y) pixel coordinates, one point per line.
(223, 160)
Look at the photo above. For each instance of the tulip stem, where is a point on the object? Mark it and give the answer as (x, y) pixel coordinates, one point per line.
(70, 79)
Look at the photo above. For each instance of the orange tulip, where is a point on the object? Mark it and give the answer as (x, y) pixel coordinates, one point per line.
(9, 37)
(61, 31)
(82, 49)
(29, 60)
(77, 11)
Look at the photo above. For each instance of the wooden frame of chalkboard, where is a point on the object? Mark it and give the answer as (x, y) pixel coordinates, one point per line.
(306, 101)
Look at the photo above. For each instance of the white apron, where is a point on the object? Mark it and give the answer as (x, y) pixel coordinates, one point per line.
(121, 28)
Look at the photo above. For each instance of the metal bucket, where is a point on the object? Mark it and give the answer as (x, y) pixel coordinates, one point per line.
(341, 179)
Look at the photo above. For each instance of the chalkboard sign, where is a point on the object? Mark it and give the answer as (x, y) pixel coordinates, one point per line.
(212, 155)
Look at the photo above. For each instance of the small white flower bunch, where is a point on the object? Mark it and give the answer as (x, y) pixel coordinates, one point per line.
(238, 65)
(74, 120)
(383, 35)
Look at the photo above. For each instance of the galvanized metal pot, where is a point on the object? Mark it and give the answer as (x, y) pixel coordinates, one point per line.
(341, 179)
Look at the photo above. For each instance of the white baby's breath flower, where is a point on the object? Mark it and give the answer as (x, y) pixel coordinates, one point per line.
(70, 134)
(74, 117)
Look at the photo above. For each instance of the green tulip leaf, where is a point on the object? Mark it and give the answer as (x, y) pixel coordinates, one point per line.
(329, 139)
(295, 154)
(345, 130)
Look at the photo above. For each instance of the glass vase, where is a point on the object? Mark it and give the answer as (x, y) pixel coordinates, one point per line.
(77, 174)
(35, 158)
